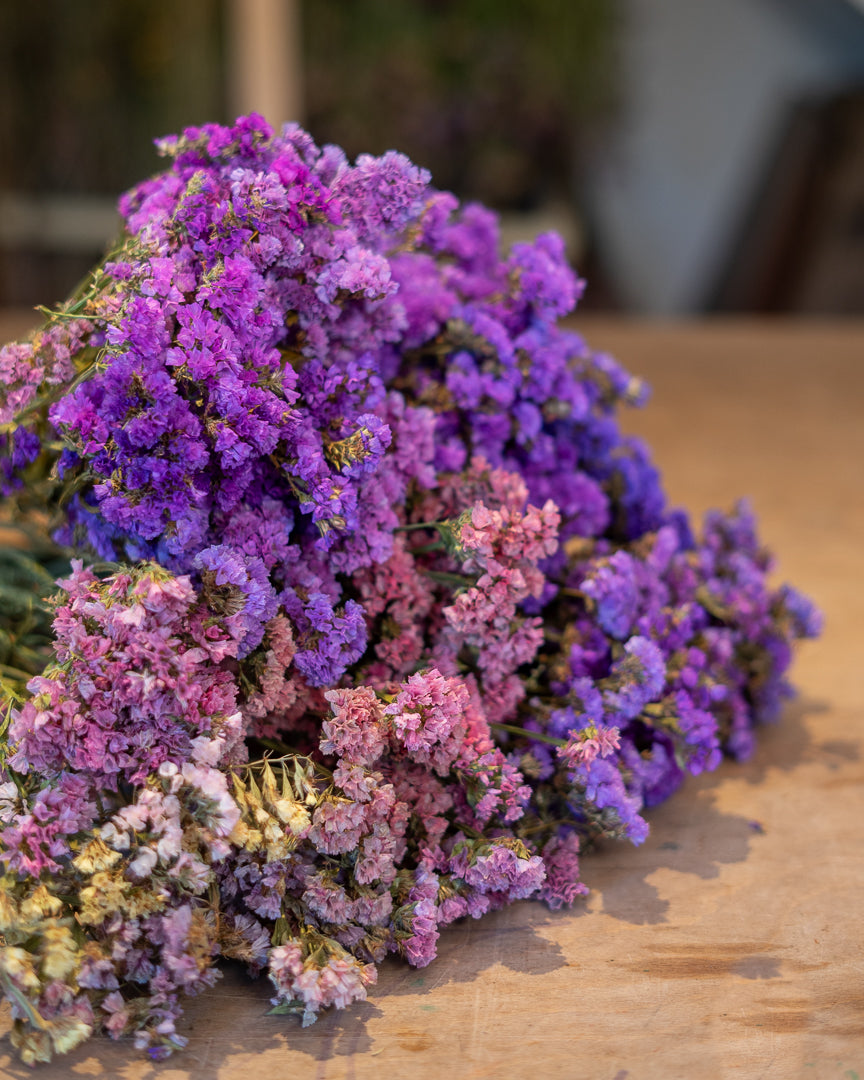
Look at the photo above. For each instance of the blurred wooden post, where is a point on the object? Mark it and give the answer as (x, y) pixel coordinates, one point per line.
(264, 59)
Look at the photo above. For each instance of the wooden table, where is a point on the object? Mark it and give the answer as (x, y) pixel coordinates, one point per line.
(729, 945)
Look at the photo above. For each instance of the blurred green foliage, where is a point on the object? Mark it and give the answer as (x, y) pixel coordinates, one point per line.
(493, 96)
(27, 581)
(85, 88)
(489, 94)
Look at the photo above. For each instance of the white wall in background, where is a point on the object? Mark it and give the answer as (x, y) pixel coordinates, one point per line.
(706, 89)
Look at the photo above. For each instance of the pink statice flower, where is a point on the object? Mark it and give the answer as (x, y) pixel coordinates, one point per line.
(587, 743)
(420, 948)
(428, 718)
(357, 730)
(312, 980)
(498, 866)
(561, 859)
(133, 686)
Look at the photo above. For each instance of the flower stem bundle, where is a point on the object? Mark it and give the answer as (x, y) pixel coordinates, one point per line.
(372, 618)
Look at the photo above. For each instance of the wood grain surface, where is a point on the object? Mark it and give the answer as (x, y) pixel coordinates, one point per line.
(729, 945)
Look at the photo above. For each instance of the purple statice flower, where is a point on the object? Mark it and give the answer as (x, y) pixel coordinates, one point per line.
(25, 447)
(498, 867)
(546, 281)
(654, 771)
(261, 531)
(807, 620)
(329, 639)
(604, 788)
(614, 588)
(634, 680)
(381, 196)
(699, 728)
(358, 271)
(360, 452)
(589, 654)
(237, 587)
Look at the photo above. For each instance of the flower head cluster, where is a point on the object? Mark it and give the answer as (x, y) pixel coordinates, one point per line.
(395, 622)
(137, 681)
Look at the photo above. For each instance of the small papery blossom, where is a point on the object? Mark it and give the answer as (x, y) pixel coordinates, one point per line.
(361, 451)
(329, 639)
(357, 730)
(498, 867)
(136, 681)
(314, 974)
(237, 587)
(614, 588)
(421, 916)
(428, 718)
(561, 859)
(37, 832)
(602, 785)
(635, 679)
(588, 743)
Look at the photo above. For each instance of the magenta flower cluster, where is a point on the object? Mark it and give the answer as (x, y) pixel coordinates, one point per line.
(378, 618)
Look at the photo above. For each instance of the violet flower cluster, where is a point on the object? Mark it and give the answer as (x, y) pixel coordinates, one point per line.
(376, 618)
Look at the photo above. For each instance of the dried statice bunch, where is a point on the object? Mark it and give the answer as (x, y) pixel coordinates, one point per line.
(374, 617)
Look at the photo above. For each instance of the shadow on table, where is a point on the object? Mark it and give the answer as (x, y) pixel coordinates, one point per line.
(688, 834)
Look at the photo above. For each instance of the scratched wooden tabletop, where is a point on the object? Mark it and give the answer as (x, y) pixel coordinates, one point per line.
(729, 945)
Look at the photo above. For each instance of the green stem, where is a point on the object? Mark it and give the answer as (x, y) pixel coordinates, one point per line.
(16, 673)
(443, 578)
(419, 525)
(537, 736)
(33, 1015)
(277, 746)
(545, 825)
(73, 313)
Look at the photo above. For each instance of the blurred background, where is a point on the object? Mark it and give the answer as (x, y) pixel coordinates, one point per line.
(697, 157)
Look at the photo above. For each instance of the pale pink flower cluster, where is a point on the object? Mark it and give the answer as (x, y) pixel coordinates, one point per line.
(306, 983)
(505, 546)
(588, 743)
(428, 718)
(356, 730)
